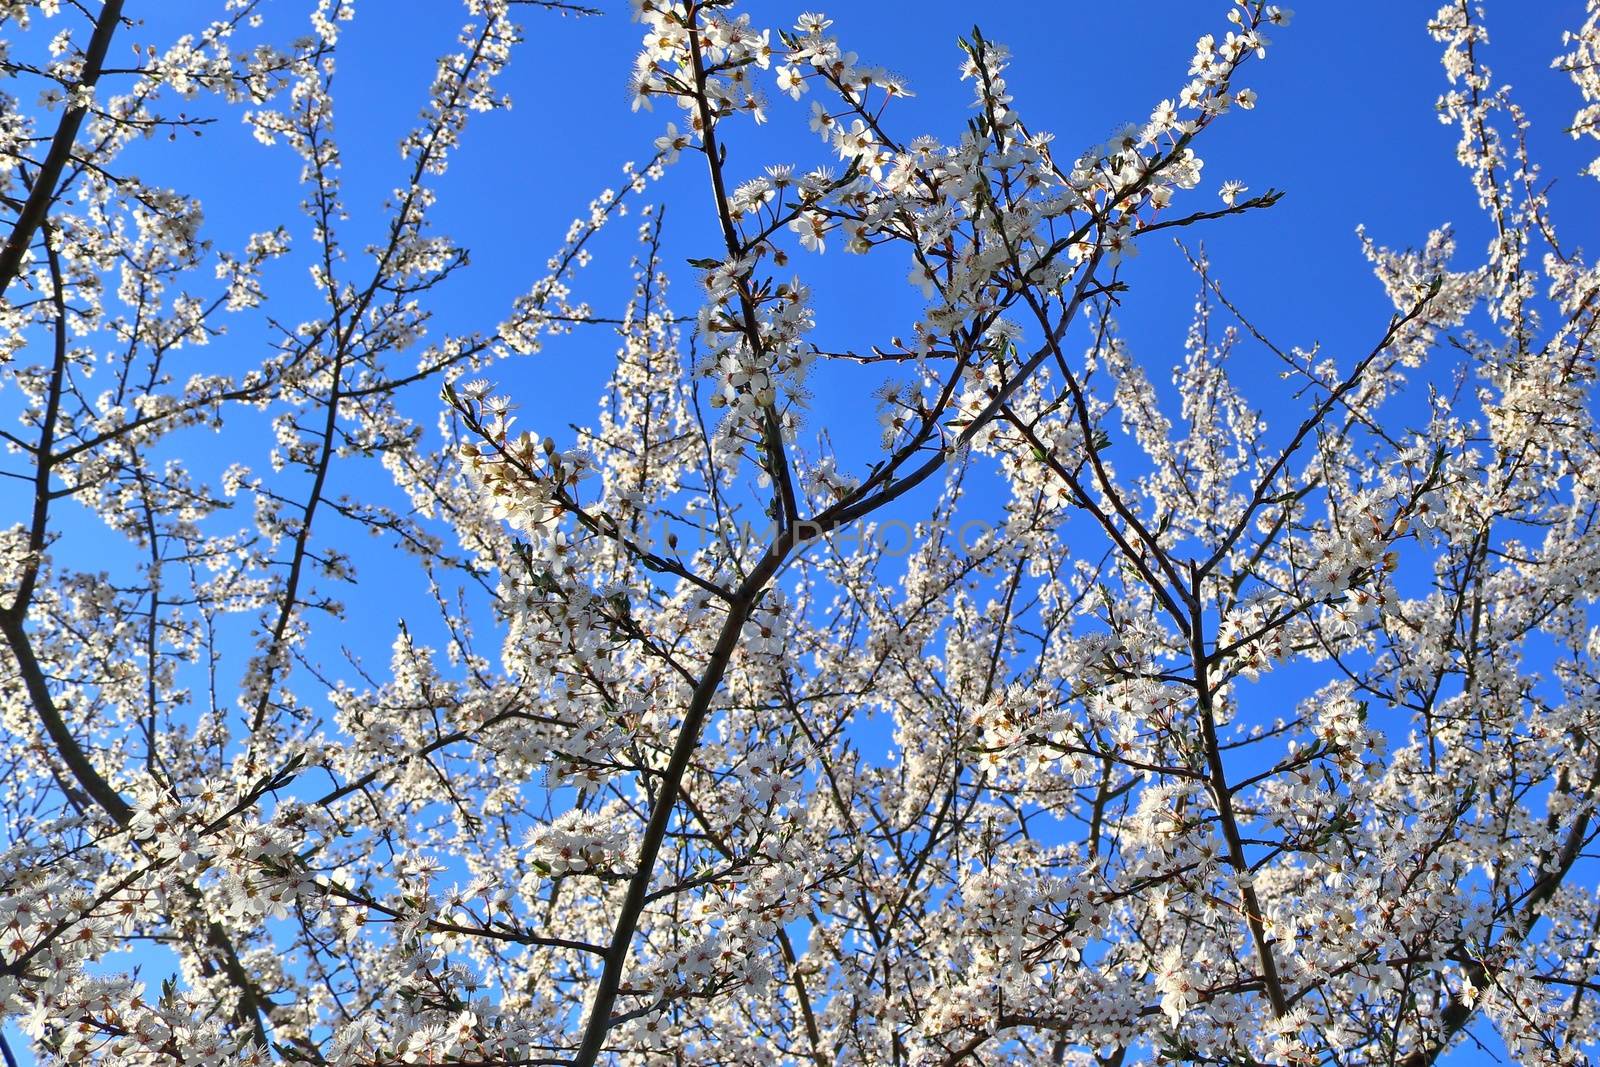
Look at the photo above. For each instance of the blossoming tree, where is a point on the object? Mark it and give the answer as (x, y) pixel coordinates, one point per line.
(726, 796)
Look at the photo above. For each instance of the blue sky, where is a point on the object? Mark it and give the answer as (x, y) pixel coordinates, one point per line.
(1345, 125)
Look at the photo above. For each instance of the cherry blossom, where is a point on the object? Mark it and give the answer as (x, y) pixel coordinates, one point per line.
(705, 737)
